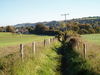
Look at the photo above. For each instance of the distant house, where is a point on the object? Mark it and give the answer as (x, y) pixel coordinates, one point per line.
(23, 31)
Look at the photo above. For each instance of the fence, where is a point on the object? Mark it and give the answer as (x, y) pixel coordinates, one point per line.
(26, 50)
(81, 48)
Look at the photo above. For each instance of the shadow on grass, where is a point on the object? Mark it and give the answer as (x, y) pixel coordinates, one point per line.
(72, 63)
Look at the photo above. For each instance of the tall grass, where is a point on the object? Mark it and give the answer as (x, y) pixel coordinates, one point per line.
(93, 50)
(45, 62)
(72, 63)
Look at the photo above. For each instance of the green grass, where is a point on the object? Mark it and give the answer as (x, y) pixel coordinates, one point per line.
(93, 38)
(73, 62)
(9, 39)
(93, 51)
(45, 62)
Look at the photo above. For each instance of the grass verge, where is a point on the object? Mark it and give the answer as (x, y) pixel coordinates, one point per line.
(45, 62)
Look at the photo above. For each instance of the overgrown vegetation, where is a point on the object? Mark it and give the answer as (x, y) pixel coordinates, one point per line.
(56, 59)
(93, 51)
(45, 62)
(72, 62)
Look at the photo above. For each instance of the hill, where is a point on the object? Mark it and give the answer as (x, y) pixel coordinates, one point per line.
(84, 20)
(51, 23)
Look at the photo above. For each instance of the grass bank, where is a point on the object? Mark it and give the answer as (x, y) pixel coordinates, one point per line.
(72, 63)
(45, 62)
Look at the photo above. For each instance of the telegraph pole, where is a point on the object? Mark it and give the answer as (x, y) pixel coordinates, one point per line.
(65, 15)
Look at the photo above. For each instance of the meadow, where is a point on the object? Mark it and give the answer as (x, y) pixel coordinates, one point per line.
(10, 43)
(9, 39)
(44, 62)
(93, 51)
(93, 38)
(47, 60)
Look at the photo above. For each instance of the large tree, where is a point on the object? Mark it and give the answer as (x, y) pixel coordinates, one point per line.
(10, 29)
(41, 28)
(1, 29)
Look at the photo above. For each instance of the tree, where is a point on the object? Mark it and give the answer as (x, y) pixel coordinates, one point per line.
(97, 29)
(62, 25)
(64, 37)
(10, 29)
(91, 30)
(41, 28)
(1, 29)
(83, 31)
(75, 28)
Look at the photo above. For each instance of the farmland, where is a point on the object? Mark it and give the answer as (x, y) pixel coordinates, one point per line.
(93, 50)
(49, 61)
(9, 39)
(93, 38)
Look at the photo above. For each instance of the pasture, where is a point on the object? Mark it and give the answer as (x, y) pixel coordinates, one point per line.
(46, 60)
(93, 50)
(9, 39)
(93, 38)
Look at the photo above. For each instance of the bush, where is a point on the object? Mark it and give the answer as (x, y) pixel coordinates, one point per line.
(83, 31)
(91, 30)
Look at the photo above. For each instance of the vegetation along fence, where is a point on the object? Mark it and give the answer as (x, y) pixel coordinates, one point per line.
(26, 50)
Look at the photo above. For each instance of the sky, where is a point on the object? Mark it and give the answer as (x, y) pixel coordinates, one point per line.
(30, 11)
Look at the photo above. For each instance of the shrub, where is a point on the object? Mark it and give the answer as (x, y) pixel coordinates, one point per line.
(83, 31)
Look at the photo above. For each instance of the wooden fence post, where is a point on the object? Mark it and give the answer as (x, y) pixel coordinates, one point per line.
(21, 51)
(49, 41)
(33, 47)
(53, 39)
(44, 42)
(84, 50)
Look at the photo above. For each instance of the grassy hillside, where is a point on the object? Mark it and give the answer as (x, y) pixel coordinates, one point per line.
(9, 39)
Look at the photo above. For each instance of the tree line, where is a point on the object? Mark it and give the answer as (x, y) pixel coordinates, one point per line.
(42, 29)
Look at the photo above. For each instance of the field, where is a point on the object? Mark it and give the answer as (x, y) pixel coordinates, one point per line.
(93, 38)
(47, 60)
(9, 43)
(9, 39)
(93, 50)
